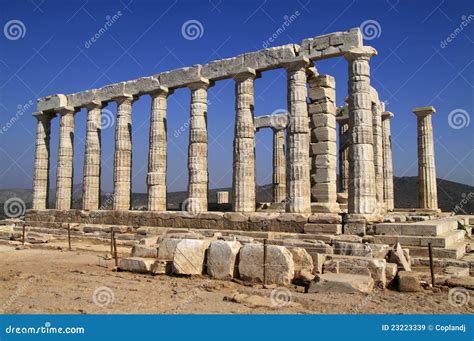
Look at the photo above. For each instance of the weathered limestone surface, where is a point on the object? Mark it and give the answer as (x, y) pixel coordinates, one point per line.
(167, 248)
(52, 103)
(222, 197)
(344, 141)
(331, 45)
(136, 264)
(361, 155)
(387, 161)
(322, 109)
(243, 180)
(65, 159)
(302, 260)
(42, 161)
(188, 257)
(123, 154)
(298, 197)
(92, 162)
(277, 121)
(221, 259)
(427, 194)
(279, 166)
(144, 251)
(343, 283)
(156, 178)
(377, 109)
(280, 265)
(198, 150)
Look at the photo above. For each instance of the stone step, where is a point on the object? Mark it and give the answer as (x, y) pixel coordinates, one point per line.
(446, 240)
(314, 228)
(422, 228)
(456, 251)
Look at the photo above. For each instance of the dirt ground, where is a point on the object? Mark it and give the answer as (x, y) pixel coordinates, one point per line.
(45, 281)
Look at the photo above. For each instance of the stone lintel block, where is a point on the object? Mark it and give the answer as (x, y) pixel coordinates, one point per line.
(182, 77)
(222, 69)
(423, 111)
(109, 92)
(81, 99)
(275, 121)
(296, 62)
(142, 86)
(320, 93)
(325, 81)
(50, 103)
(270, 58)
(331, 45)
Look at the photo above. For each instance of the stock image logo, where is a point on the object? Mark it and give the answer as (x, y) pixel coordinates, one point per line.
(371, 29)
(103, 296)
(458, 119)
(192, 30)
(14, 207)
(281, 297)
(14, 30)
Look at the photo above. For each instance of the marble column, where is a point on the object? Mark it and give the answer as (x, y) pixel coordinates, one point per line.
(42, 161)
(427, 191)
(298, 186)
(156, 178)
(198, 182)
(279, 166)
(387, 161)
(243, 178)
(344, 140)
(377, 110)
(362, 189)
(92, 161)
(65, 171)
(123, 154)
(322, 110)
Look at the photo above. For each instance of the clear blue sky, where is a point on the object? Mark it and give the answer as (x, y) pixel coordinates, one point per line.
(413, 68)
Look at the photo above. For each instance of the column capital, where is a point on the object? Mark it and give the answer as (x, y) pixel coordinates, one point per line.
(387, 115)
(246, 73)
(160, 91)
(66, 110)
(124, 98)
(202, 83)
(296, 63)
(424, 111)
(95, 104)
(44, 115)
(360, 53)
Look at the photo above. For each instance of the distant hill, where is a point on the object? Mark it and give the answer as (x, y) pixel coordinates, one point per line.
(450, 194)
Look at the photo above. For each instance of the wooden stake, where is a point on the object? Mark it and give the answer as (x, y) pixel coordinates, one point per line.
(24, 233)
(264, 261)
(69, 236)
(115, 248)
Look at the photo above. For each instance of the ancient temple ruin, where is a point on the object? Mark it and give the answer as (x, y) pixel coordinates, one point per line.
(305, 152)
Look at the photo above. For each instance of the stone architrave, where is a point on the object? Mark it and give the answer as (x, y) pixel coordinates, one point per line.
(123, 154)
(156, 178)
(427, 191)
(92, 162)
(243, 179)
(65, 169)
(42, 161)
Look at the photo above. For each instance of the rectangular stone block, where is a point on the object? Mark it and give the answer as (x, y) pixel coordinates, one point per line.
(142, 85)
(107, 93)
(80, 99)
(224, 68)
(270, 58)
(323, 228)
(180, 77)
(52, 102)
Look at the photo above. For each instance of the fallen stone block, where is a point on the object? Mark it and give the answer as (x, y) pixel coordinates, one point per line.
(398, 256)
(351, 249)
(167, 247)
(318, 262)
(456, 271)
(341, 283)
(302, 260)
(465, 282)
(37, 238)
(379, 250)
(188, 257)
(221, 259)
(136, 264)
(6, 232)
(408, 281)
(390, 272)
(280, 266)
(144, 251)
(162, 267)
